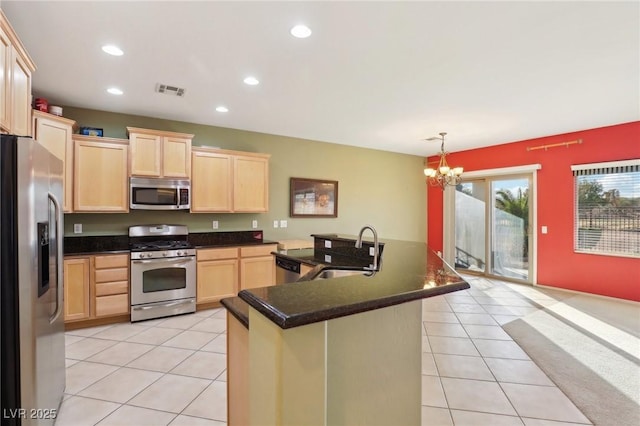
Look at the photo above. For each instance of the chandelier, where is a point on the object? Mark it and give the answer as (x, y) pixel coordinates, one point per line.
(443, 175)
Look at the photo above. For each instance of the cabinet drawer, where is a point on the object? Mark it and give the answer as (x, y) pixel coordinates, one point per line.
(254, 251)
(116, 274)
(216, 254)
(107, 289)
(112, 261)
(112, 305)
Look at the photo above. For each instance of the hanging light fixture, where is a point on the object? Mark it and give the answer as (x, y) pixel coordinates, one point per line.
(443, 175)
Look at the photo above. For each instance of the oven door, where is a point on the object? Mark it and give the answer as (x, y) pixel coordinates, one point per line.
(160, 280)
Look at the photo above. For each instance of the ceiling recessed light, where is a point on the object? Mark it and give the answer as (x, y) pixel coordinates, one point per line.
(222, 109)
(251, 81)
(115, 91)
(112, 50)
(300, 31)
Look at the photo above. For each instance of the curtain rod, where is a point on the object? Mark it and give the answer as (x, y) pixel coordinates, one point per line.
(553, 145)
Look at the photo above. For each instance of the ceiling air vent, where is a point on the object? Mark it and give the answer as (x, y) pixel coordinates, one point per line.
(169, 90)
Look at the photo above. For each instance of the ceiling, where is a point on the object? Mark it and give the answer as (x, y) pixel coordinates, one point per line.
(383, 75)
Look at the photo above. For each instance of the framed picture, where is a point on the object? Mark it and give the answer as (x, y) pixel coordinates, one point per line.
(313, 198)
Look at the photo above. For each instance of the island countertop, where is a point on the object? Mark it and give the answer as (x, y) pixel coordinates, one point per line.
(409, 271)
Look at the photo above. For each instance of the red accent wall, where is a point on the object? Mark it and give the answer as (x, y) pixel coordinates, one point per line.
(558, 265)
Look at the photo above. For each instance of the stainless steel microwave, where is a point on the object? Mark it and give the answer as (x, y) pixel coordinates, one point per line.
(159, 194)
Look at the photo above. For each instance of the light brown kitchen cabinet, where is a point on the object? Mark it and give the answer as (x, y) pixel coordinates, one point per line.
(55, 134)
(96, 287)
(224, 181)
(100, 182)
(251, 183)
(111, 285)
(16, 68)
(217, 274)
(211, 180)
(76, 288)
(156, 153)
(257, 266)
(223, 272)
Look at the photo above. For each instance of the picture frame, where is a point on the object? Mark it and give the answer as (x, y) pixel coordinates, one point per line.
(313, 197)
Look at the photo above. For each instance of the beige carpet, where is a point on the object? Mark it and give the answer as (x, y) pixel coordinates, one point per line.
(590, 348)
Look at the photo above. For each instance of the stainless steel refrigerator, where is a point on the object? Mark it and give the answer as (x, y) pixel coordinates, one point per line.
(32, 356)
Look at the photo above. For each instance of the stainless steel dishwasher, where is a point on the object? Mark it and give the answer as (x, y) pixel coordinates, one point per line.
(287, 270)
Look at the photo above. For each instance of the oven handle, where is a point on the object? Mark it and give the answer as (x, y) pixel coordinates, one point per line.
(164, 305)
(171, 259)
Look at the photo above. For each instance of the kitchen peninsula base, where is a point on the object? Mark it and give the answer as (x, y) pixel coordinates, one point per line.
(358, 369)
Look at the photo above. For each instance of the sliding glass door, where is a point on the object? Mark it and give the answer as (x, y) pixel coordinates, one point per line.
(492, 227)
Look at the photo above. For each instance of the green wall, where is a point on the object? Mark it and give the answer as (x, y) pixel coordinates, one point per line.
(384, 189)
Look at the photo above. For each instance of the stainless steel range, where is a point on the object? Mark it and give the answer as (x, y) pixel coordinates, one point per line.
(163, 271)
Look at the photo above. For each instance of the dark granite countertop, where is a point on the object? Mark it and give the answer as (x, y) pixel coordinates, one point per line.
(238, 308)
(113, 244)
(409, 271)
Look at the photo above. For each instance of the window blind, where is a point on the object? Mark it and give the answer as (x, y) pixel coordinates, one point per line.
(607, 208)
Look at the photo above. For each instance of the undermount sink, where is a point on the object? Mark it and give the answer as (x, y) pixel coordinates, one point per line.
(337, 273)
(322, 272)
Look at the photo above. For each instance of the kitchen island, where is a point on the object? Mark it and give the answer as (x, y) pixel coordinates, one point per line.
(335, 351)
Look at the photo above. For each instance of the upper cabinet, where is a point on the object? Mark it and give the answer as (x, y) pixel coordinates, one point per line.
(16, 68)
(55, 134)
(225, 181)
(155, 153)
(100, 175)
(251, 183)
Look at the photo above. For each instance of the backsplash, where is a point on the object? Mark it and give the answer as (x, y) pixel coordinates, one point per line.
(115, 243)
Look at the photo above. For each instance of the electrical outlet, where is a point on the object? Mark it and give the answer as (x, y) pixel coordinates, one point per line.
(254, 224)
(283, 224)
(77, 228)
(327, 243)
(214, 224)
(327, 258)
(372, 251)
(545, 230)
(275, 223)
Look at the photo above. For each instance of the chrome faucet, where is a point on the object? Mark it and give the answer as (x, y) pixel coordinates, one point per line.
(376, 248)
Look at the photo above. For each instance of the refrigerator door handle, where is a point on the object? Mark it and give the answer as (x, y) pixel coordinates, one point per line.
(59, 250)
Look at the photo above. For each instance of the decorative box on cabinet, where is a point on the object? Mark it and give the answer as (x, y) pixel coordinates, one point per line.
(224, 181)
(16, 68)
(100, 175)
(55, 133)
(156, 153)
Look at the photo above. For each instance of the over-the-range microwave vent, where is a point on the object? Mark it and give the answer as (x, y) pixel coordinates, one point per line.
(170, 90)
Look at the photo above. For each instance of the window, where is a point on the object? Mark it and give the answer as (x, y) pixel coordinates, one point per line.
(607, 208)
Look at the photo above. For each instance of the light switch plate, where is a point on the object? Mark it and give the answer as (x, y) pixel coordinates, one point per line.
(275, 223)
(214, 224)
(327, 243)
(544, 230)
(327, 258)
(77, 228)
(283, 224)
(254, 224)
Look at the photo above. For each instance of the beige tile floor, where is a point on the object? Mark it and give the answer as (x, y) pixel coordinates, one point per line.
(172, 371)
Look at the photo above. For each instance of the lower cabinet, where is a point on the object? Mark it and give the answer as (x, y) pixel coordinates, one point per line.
(223, 272)
(76, 288)
(96, 286)
(257, 266)
(111, 275)
(217, 274)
